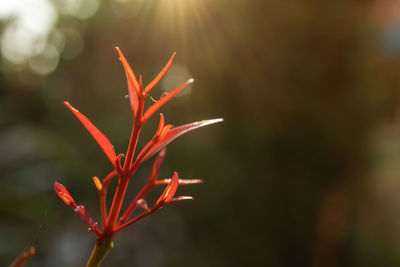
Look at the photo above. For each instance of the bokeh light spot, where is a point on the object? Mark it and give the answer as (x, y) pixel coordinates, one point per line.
(177, 75)
(45, 62)
(81, 9)
(26, 33)
(74, 43)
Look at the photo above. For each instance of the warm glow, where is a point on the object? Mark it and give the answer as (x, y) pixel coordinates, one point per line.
(30, 37)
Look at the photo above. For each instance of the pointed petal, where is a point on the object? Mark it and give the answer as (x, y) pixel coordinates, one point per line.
(169, 191)
(160, 124)
(133, 96)
(133, 86)
(140, 83)
(128, 70)
(97, 183)
(165, 130)
(181, 181)
(180, 198)
(65, 196)
(100, 138)
(161, 75)
(190, 181)
(163, 100)
(176, 132)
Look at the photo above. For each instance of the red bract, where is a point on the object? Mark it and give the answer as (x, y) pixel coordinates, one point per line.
(63, 193)
(171, 134)
(100, 138)
(169, 191)
(112, 220)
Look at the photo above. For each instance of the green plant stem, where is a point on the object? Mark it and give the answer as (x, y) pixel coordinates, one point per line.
(100, 251)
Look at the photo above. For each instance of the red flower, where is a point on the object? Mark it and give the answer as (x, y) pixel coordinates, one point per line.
(112, 221)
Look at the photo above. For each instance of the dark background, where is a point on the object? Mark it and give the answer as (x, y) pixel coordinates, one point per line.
(304, 171)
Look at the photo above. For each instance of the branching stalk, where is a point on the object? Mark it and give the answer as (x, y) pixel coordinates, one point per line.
(100, 251)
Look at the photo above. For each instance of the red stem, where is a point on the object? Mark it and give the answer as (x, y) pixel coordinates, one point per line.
(144, 214)
(103, 196)
(116, 206)
(145, 189)
(138, 160)
(149, 185)
(103, 208)
(132, 146)
(137, 125)
(124, 178)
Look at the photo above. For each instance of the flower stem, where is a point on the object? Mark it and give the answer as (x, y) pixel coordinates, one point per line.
(100, 251)
(137, 126)
(116, 205)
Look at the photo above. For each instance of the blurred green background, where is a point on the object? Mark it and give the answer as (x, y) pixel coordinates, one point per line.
(304, 171)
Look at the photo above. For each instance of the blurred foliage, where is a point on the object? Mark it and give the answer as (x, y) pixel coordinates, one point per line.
(303, 172)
